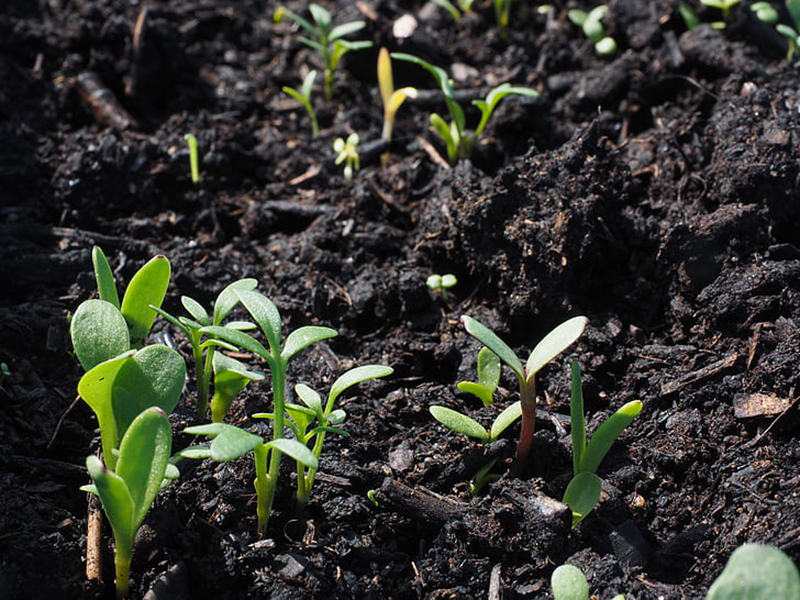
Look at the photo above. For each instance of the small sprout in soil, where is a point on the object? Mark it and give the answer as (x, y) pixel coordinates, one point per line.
(723, 5)
(326, 39)
(502, 13)
(757, 572)
(461, 423)
(194, 159)
(569, 583)
(231, 442)
(277, 355)
(312, 421)
(230, 378)
(553, 344)
(457, 139)
(453, 8)
(488, 377)
(127, 492)
(690, 18)
(4, 372)
(767, 14)
(439, 284)
(392, 98)
(102, 329)
(591, 24)
(204, 346)
(483, 477)
(303, 96)
(347, 153)
(583, 492)
(371, 497)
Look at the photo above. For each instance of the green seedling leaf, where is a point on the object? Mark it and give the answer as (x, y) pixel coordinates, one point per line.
(155, 376)
(757, 572)
(353, 377)
(553, 344)
(310, 398)
(295, 450)
(99, 333)
(482, 477)
(229, 442)
(445, 84)
(281, 12)
(476, 389)
(148, 286)
(577, 420)
(227, 299)
(194, 308)
(505, 419)
(337, 417)
(489, 339)
(488, 105)
(793, 6)
(346, 29)
(582, 495)
(569, 583)
(459, 423)
(578, 17)
(488, 369)
(239, 338)
(106, 286)
(265, 314)
(302, 417)
(321, 16)
(303, 337)
(230, 378)
(604, 436)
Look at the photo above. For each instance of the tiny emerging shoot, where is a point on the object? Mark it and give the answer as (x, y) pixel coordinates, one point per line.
(583, 491)
(439, 284)
(591, 24)
(326, 39)
(303, 96)
(347, 153)
(767, 14)
(502, 13)
(458, 141)
(553, 344)
(723, 5)
(127, 492)
(312, 421)
(4, 372)
(690, 18)
(204, 345)
(194, 159)
(392, 98)
(569, 583)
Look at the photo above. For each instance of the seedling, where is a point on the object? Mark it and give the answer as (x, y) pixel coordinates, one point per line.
(766, 13)
(102, 329)
(347, 153)
(303, 96)
(690, 18)
(392, 98)
(194, 159)
(4, 372)
(204, 346)
(757, 572)
(502, 12)
(723, 5)
(553, 344)
(591, 24)
(230, 378)
(456, 9)
(277, 355)
(127, 491)
(583, 492)
(569, 583)
(312, 421)
(326, 39)
(457, 139)
(231, 442)
(439, 284)
(483, 476)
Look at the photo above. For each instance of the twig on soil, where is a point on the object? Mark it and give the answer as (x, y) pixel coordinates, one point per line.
(102, 103)
(60, 421)
(94, 537)
(695, 376)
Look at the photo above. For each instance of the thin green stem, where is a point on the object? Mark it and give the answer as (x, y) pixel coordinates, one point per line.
(263, 494)
(266, 496)
(527, 393)
(122, 565)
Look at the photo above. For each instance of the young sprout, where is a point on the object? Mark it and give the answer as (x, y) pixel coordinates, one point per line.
(690, 18)
(311, 421)
(583, 492)
(4, 372)
(502, 12)
(553, 344)
(452, 9)
(483, 477)
(591, 24)
(458, 140)
(569, 583)
(392, 98)
(767, 14)
(127, 491)
(277, 355)
(326, 39)
(303, 96)
(725, 6)
(347, 153)
(439, 284)
(204, 346)
(194, 160)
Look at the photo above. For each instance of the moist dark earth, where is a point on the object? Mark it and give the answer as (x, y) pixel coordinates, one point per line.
(656, 191)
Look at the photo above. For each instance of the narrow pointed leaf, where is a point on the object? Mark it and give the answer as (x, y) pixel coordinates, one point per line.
(148, 286)
(182, 323)
(505, 419)
(239, 338)
(265, 314)
(553, 344)
(458, 422)
(194, 308)
(577, 420)
(582, 495)
(295, 450)
(229, 442)
(353, 377)
(385, 79)
(116, 500)
(488, 369)
(303, 337)
(604, 437)
(321, 16)
(308, 86)
(99, 333)
(490, 339)
(106, 286)
(143, 458)
(476, 389)
(344, 29)
(310, 398)
(227, 299)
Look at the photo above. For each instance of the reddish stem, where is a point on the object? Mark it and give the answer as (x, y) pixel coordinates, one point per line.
(527, 393)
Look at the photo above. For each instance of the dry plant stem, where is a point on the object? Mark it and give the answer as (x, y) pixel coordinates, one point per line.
(94, 536)
(525, 444)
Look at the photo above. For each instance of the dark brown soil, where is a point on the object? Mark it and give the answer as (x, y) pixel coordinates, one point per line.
(656, 192)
